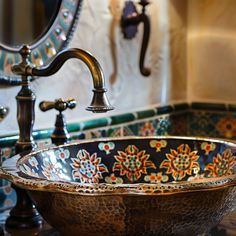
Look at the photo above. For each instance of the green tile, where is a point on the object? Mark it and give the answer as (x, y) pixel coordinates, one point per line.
(118, 119)
(146, 113)
(164, 110)
(181, 107)
(232, 107)
(73, 127)
(42, 134)
(209, 106)
(8, 141)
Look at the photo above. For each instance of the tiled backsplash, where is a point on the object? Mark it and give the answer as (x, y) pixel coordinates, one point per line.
(197, 119)
(212, 120)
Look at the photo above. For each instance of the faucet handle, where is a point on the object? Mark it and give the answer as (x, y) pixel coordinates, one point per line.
(59, 104)
(60, 134)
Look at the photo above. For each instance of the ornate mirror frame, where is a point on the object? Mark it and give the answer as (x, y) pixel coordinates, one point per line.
(56, 39)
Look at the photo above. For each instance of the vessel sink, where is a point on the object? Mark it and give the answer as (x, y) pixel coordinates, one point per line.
(130, 186)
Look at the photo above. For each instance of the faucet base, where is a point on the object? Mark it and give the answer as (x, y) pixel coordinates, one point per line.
(24, 215)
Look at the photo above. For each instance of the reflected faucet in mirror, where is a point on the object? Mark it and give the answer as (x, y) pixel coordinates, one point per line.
(129, 22)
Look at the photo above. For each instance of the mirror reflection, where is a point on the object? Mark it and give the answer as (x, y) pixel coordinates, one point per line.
(26, 21)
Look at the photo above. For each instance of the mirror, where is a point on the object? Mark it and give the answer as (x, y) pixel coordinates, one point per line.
(45, 25)
(17, 29)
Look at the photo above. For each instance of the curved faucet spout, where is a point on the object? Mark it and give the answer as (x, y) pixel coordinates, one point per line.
(62, 57)
(99, 102)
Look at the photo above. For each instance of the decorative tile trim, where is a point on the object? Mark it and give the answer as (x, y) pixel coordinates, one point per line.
(8, 141)
(209, 106)
(164, 110)
(101, 122)
(125, 118)
(119, 119)
(181, 107)
(212, 124)
(146, 114)
(232, 107)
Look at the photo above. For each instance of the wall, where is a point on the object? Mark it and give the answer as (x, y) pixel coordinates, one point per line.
(211, 50)
(99, 32)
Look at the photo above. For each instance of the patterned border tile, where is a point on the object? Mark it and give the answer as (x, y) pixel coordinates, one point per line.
(101, 122)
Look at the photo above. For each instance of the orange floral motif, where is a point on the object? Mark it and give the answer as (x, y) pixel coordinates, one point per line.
(227, 127)
(147, 129)
(132, 163)
(222, 164)
(87, 168)
(181, 162)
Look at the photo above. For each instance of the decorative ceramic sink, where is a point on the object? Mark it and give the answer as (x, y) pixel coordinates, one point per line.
(130, 186)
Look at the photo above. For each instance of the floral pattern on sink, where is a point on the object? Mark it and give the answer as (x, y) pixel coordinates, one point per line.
(146, 160)
(87, 168)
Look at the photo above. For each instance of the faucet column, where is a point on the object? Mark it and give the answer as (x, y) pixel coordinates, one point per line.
(24, 215)
(25, 117)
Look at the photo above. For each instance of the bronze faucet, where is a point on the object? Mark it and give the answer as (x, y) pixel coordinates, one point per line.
(99, 102)
(24, 214)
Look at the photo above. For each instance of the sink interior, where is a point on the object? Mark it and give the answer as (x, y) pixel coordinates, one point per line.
(133, 160)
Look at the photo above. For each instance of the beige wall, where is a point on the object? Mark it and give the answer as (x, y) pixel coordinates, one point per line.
(192, 53)
(99, 32)
(178, 50)
(212, 50)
